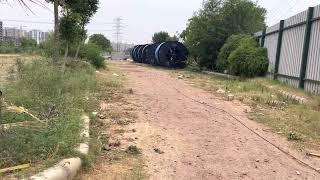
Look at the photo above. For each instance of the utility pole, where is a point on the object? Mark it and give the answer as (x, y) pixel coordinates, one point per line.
(118, 32)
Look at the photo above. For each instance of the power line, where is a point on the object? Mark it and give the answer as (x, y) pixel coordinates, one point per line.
(102, 30)
(47, 22)
(24, 21)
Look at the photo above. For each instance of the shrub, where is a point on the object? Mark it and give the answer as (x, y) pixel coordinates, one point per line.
(248, 61)
(91, 52)
(210, 27)
(47, 46)
(231, 44)
(28, 45)
(9, 49)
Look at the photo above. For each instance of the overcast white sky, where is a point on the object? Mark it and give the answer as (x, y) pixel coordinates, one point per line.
(141, 17)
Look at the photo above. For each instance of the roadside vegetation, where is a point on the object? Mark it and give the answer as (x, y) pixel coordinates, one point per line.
(44, 97)
(210, 27)
(241, 56)
(25, 46)
(299, 123)
(219, 37)
(42, 121)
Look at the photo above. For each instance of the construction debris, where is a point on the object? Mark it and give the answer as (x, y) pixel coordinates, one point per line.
(221, 91)
(21, 110)
(230, 97)
(313, 154)
(180, 77)
(157, 150)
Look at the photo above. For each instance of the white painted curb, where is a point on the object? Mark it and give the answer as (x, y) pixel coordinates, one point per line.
(68, 168)
(300, 100)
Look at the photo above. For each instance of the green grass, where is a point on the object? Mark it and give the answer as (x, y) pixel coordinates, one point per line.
(58, 99)
(297, 122)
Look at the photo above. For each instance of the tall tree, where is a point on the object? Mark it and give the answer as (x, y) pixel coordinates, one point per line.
(209, 28)
(70, 29)
(161, 36)
(56, 31)
(101, 41)
(56, 46)
(86, 9)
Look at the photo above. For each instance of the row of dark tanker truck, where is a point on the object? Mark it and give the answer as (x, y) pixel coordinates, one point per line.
(169, 53)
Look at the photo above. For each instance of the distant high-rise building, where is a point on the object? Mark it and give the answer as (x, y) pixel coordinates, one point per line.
(11, 32)
(14, 35)
(38, 35)
(44, 36)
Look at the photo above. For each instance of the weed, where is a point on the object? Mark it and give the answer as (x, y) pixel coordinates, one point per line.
(124, 121)
(133, 150)
(294, 137)
(130, 91)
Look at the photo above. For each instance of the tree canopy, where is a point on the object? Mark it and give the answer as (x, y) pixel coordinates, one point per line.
(70, 29)
(162, 36)
(209, 28)
(85, 9)
(101, 41)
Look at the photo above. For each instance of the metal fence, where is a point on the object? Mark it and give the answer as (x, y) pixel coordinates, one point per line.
(294, 50)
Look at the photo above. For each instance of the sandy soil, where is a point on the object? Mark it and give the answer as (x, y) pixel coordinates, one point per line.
(187, 133)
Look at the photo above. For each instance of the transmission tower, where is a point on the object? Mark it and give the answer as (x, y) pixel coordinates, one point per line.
(118, 28)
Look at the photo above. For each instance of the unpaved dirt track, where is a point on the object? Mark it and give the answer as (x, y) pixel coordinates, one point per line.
(199, 141)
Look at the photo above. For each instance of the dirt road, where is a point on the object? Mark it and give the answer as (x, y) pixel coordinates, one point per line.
(187, 133)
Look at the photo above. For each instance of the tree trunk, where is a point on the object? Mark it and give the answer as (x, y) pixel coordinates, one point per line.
(82, 39)
(56, 31)
(77, 52)
(63, 69)
(66, 51)
(0, 105)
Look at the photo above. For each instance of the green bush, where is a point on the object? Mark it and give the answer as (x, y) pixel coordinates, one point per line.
(27, 45)
(248, 61)
(47, 46)
(209, 28)
(9, 49)
(91, 52)
(231, 44)
(55, 98)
